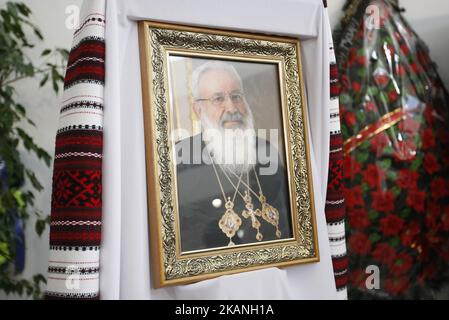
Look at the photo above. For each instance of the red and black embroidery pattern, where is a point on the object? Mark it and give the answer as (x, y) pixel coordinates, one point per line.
(75, 229)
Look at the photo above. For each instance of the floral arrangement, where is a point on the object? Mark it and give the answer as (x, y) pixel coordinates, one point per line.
(395, 125)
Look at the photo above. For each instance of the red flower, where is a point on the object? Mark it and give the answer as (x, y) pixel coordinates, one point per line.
(430, 163)
(397, 286)
(415, 67)
(438, 188)
(373, 176)
(353, 197)
(416, 200)
(384, 254)
(391, 225)
(381, 79)
(405, 49)
(352, 55)
(392, 95)
(383, 201)
(409, 236)
(379, 142)
(358, 218)
(401, 70)
(361, 60)
(344, 80)
(401, 263)
(350, 167)
(371, 106)
(407, 179)
(428, 139)
(356, 87)
(350, 119)
(429, 115)
(360, 243)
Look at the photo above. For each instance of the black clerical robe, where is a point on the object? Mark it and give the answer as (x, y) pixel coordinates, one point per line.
(198, 187)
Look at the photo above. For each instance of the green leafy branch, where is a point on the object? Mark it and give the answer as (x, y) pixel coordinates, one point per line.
(16, 29)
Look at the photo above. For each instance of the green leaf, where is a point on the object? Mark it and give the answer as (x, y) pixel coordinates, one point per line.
(34, 181)
(374, 237)
(373, 215)
(44, 80)
(365, 187)
(361, 73)
(345, 98)
(416, 164)
(373, 91)
(23, 9)
(394, 242)
(12, 8)
(40, 225)
(396, 190)
(344, 131)
(365, 145)
(55, 79)
(361, 116)
(38, 33)
(388, 150)
(31, 122)
(63, 52)
(46, 52)
(384, 98)
(361, 157)
(18, 196)
(4, 253)
(405, 213)
(38, 278)
(391, 175)
(20, 109)
(385, 164)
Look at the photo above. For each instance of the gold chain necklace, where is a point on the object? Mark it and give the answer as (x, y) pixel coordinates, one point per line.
(268, 212)
(230, 221)
(249, 211)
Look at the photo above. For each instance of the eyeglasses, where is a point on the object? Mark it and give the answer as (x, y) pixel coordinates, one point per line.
(219, 98)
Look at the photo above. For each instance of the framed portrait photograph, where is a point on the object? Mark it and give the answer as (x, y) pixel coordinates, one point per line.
(228, 171)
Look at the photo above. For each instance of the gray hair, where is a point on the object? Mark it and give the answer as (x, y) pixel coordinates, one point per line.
(211, 65)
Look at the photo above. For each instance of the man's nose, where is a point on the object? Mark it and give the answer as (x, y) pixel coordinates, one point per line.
(228, 105)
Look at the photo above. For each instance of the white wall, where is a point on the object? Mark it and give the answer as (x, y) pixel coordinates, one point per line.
(42, 106)
(430, 19)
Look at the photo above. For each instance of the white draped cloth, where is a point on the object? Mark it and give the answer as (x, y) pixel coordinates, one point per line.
(124, 257)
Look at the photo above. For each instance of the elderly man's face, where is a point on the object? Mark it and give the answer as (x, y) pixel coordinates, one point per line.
(221, 97)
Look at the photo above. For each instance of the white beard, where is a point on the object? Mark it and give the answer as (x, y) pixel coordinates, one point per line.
(234, 149)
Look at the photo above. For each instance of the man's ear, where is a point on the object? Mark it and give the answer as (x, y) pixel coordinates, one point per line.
(197, 109)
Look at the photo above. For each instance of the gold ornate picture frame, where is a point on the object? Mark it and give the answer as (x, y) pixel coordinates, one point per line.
(267, 73)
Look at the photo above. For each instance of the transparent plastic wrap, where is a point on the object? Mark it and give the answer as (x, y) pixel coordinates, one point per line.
(395, 126)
